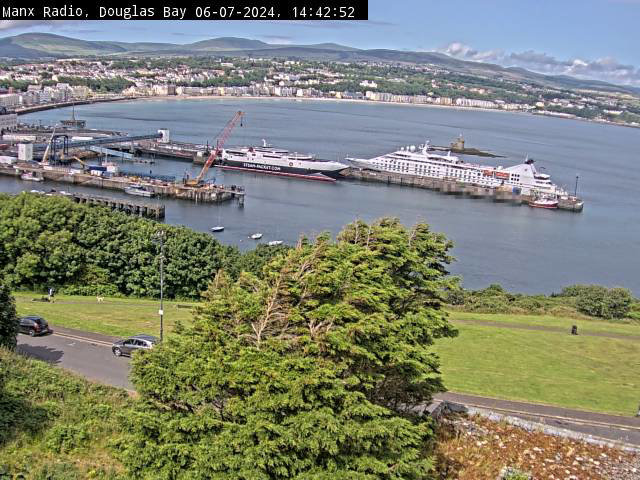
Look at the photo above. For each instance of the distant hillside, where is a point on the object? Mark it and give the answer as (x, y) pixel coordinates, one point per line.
(45, 45)
(38, 45)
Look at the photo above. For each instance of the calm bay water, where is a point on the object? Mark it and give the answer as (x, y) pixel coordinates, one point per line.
(524, 249)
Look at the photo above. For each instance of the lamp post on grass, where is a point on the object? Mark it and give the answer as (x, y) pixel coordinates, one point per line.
(159, 239)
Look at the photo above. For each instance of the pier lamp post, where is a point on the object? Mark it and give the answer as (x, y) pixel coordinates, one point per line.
(159, 239)
(575, 193)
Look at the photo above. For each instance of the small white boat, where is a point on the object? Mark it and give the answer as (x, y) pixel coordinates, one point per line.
(274, 243)
(219, 228)
(256, 236)
(137, 189)
(544, 202)
(32, 177)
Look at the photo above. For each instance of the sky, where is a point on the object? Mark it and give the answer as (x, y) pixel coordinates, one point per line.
(585, 38)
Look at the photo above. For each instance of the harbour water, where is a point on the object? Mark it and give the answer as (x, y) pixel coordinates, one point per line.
(523, 249)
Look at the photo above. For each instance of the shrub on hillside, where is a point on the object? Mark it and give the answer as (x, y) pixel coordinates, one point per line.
(599, 301)
(495, 299)
(8, 318)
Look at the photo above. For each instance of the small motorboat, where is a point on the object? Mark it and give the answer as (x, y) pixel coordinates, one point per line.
(274, 243)
(31, 176)
(219, 228)
(139, 190)
(544, 202)
(256, 236)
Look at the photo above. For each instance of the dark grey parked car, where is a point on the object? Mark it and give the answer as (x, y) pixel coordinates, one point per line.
(34, 325)
(132, 344)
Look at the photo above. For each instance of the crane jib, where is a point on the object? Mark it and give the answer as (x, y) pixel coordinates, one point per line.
(226, 132)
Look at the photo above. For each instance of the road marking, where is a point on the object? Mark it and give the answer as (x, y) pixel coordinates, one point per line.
(82, 339)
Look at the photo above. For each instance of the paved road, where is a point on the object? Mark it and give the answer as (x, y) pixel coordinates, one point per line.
(89, 355)
(610, 427)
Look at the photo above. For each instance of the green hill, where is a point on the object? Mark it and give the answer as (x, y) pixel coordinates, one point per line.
(46, 45)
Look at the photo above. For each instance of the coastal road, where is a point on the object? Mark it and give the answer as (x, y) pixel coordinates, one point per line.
(89, 355)
(86, 354)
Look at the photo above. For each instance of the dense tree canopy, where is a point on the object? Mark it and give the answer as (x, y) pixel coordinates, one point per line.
(318, 369)
(8, 318)
(51, 241)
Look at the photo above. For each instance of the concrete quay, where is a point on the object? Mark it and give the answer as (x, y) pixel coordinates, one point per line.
(454, 187)
(207, 193)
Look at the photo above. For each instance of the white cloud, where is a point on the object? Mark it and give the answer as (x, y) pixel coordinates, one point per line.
(278, 39)
(8, 25)
(607, 69)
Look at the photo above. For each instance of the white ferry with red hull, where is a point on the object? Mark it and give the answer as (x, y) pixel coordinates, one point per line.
(274, 161)
(422, 162)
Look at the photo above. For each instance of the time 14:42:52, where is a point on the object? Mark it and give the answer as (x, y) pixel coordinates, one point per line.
(323, 12)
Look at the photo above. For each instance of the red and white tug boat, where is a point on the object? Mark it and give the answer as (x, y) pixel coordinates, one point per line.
(544, 202)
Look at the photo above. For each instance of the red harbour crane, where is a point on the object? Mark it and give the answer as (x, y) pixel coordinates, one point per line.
(226, 132)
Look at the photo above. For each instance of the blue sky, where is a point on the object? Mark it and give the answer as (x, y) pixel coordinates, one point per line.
(589, 38)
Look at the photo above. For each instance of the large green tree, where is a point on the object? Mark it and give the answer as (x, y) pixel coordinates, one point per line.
(319, 369)
(8, 318)
(51, 241)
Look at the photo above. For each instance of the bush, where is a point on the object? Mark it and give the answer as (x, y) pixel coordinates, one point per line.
(592, 300)
(599, 301)
(8, 318)
(66, 438)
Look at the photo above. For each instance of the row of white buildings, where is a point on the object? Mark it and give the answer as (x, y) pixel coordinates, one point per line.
(37, 94)
(285, 91)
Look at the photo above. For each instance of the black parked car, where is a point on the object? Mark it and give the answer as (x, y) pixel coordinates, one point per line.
(132, 344)
(34, 325)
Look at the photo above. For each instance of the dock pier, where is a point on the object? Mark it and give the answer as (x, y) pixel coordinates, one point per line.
(206, 193)
(148, 210)
(454, 187)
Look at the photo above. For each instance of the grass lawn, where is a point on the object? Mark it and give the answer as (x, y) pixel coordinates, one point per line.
(113, 316)
(587, 373)
(585, 324)
(590, 373)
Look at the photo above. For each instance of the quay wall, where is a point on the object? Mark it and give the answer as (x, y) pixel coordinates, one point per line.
(453, 187)
(195, 194)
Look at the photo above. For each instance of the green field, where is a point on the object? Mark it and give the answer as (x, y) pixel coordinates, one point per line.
(585, 324)
(584, 372)
(113, 316)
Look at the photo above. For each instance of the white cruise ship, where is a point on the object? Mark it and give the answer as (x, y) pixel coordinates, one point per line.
(422, 162)
(275, 161)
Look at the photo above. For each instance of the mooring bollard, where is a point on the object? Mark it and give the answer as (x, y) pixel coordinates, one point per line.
(574, 330)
